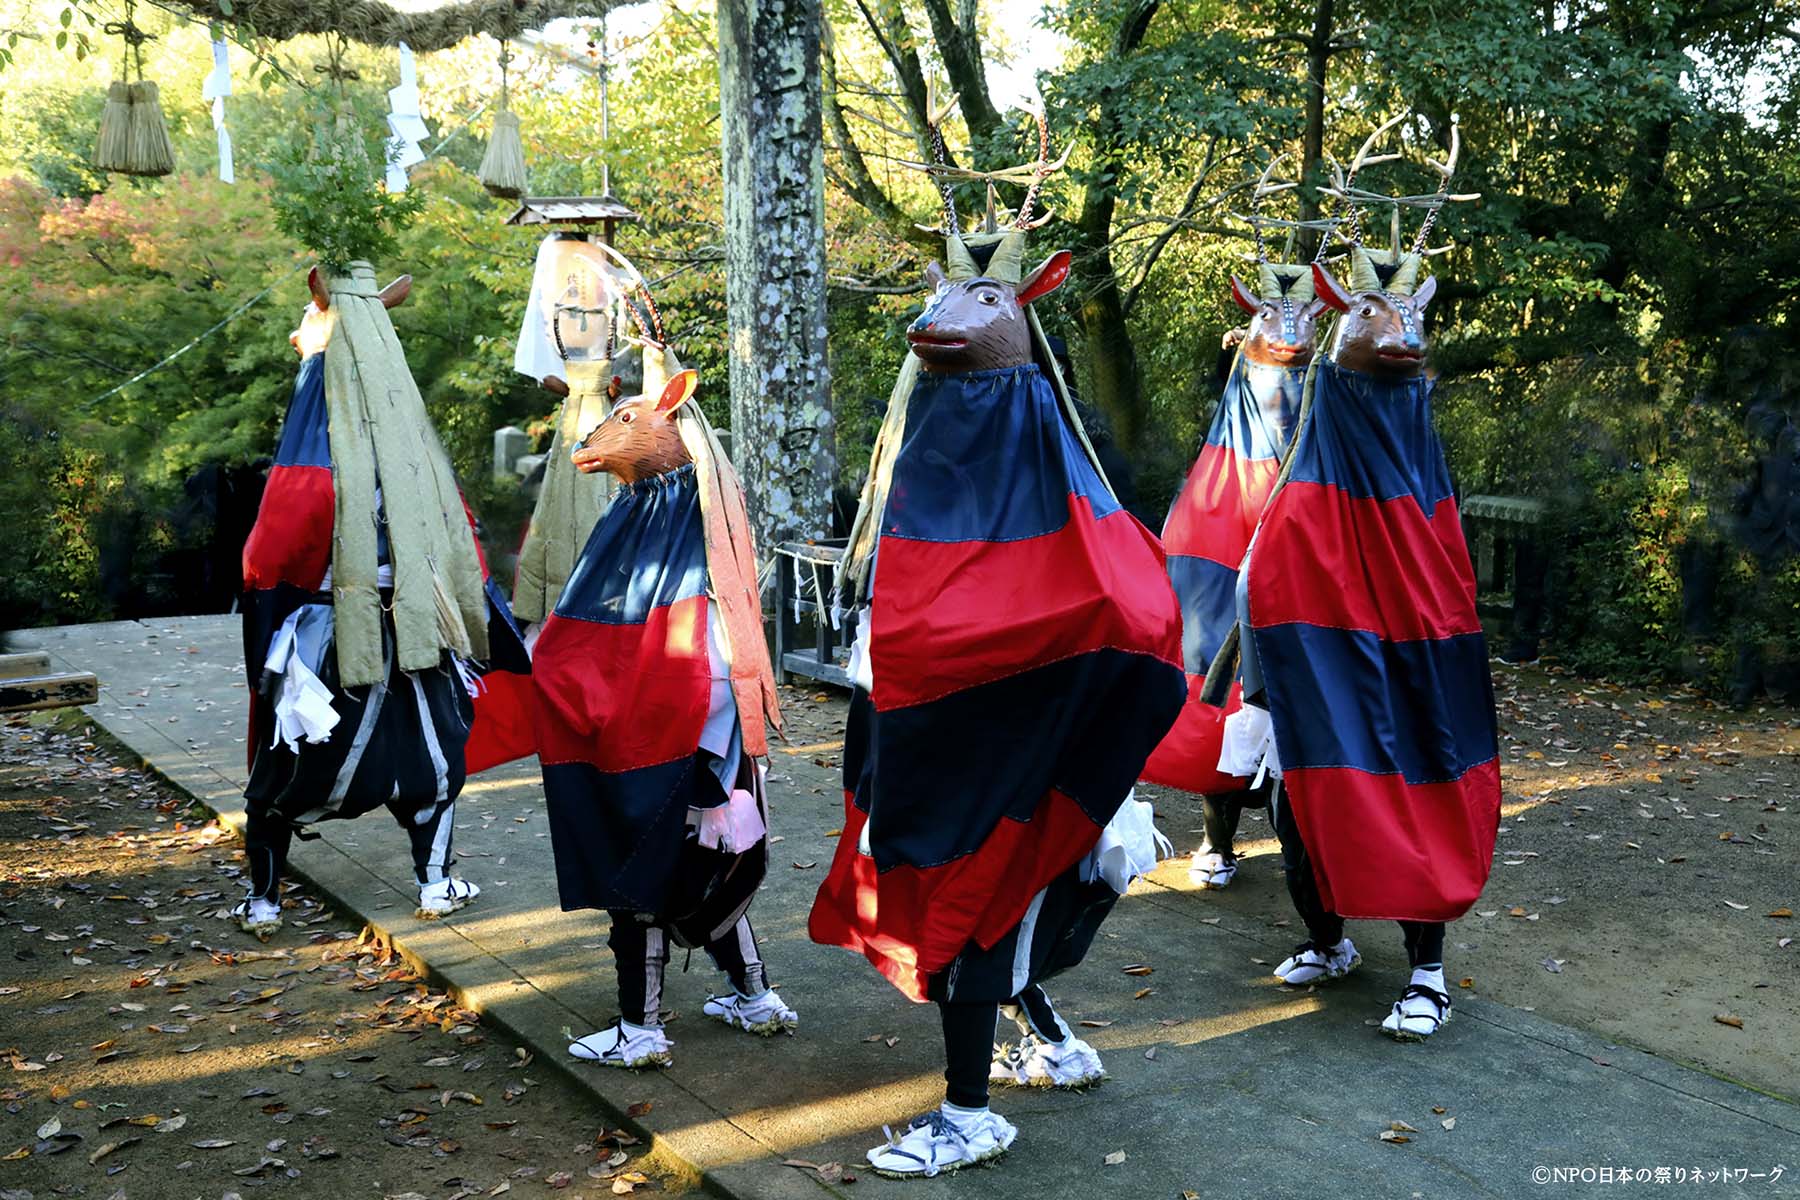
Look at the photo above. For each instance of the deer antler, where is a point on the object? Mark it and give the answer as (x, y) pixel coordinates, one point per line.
(1445, 169)
(1262, 190)
(1027, 175)
(1343, 183)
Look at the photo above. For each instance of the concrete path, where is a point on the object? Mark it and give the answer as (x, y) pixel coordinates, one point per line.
(1222, 1083)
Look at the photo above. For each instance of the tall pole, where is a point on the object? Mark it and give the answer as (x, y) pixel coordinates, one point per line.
(770, 130)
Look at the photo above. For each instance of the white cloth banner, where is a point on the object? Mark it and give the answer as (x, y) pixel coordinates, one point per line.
(405, 123)
(216, 87)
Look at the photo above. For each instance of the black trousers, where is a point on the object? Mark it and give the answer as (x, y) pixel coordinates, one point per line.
(1220, 814)
(641, 958)
(1324, 928)
(268, 836)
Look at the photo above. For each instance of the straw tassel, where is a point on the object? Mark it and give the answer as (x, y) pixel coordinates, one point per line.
(148, 151)
(110, 150)
(503, 167)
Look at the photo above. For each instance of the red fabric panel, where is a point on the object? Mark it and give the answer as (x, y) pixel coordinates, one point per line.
(1188, 756)
(620, 697)
(1326, 558)
(1384, 849)
(291, 540)
(1219, 505)
(952, 615)
(910, 922)
(504, 728)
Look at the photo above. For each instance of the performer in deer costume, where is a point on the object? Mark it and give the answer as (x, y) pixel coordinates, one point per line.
(653, 687)
(1365, 673)
(367, 613)
(1213, 517)
(1016, 658)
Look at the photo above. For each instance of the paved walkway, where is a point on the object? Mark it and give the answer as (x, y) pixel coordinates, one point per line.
(1222, 1084)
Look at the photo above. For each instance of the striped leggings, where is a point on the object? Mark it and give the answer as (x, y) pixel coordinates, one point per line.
(641, 955)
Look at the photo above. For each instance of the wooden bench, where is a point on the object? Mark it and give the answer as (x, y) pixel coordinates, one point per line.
(27, 682)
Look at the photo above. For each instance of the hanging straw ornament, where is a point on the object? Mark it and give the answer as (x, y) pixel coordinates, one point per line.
(134, 138)
(503, 166)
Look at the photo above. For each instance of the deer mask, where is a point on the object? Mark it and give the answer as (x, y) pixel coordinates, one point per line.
(976, 321)
(640, 438)
(316, 323)
(1382, 330)
(1284, 312)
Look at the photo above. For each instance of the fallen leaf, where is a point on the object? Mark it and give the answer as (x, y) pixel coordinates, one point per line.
(1448, 1122)
(1142, 992)
(1115, 1158)
(212, 1143)
(804, 866)
(1388, 1135)
(1401, 1127)
(1782, 912)
(640, 1109)
(170, 1124)
(1466, 982)
(1733, 904)
(1095, 1024)
(111, 1147)
(1139, 969)
(49, 1129)
(1728, 1019)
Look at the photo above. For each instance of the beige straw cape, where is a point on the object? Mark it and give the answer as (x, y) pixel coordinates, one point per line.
(380, 433)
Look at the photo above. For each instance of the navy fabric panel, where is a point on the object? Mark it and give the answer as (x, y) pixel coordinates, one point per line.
(647, 551)
(1346, 698)
(1373, 438)
(1258, 409)
(506, 645)
(617, 837)
(937, 778)
(305, 440)
(988, 456)
(1208, 594)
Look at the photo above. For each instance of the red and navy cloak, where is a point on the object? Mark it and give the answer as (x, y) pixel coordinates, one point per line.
(1208, 529)
(624, 684)
(1362, 611)
(1025, 652)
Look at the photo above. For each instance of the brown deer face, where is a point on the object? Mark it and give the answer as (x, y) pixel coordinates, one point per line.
(639, 437)
(317, 321)
(979, 324)
(1281, 331)
(1381, 333)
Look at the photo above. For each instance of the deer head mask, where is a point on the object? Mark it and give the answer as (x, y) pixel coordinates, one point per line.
(1382, 330)
(640, 438)
(1284, 312)
(976, 320)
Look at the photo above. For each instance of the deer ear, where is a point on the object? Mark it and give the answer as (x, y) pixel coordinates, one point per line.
(677, 392)
(315, 283)
(1046, 279)
(1424, 292)
(1329, 290)
(934, 275)
(395, 293)
(1245, 300)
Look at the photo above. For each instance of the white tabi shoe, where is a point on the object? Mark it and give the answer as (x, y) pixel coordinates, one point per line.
(1422, 1010)
(934, 1144)
(258, 917)
(1308, 964)
(1210, 871)
(444, 897)
(764, 1015)
(1072, 1065)
(633, 1047)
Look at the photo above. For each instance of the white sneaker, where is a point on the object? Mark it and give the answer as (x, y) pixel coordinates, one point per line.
(1211, 871)
(934, 1143)
(1422, 1010)
(1307, 964)
(625, 1045)
(765, 1014)
(257, 917)
(444, 897)
(1073, 1065)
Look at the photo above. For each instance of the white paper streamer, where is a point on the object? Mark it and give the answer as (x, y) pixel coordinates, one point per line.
(405, 123)
(216, 87)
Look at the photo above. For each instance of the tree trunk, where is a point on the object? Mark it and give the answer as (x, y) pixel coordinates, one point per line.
(1118, 388)
(1312, 141)
(769, 110)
